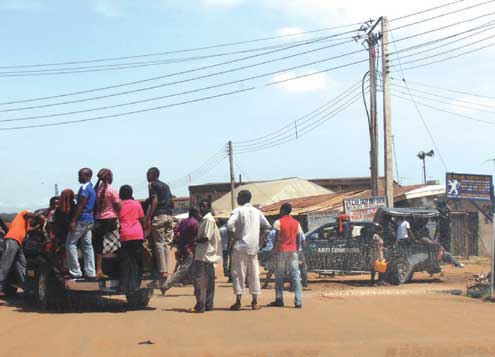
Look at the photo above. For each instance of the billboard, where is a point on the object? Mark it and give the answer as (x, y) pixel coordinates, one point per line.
(469, 187)
(363, 209)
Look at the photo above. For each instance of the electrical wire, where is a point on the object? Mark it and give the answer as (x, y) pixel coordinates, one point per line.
(309, 116)
(427, 10)
(210, 75)
(445, 89)
(441, 15)
(484, 28)
(420, 114)
(304, 130)
(224, 94)
(208, 47)
(442, 53)
(445, 111)
(185, 92)
(450, 98)
(450, 57)
(154, 63)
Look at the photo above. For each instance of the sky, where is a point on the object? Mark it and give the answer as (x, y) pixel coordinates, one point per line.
(180, 138)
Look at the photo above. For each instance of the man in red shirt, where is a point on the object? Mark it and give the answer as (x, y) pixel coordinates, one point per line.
(285, 247)
(13, 256)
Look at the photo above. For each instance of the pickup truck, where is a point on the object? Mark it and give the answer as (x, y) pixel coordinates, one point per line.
(348, 248)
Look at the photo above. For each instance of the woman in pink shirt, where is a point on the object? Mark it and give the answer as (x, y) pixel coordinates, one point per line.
(106, 212)
(132, 225)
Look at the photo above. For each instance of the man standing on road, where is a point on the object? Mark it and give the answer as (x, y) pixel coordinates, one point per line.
(159, 216)
(287, 238)
(187, 231)
(226, 253)
(245, 225)
(207, 252)
(13, 256)
(80, 228)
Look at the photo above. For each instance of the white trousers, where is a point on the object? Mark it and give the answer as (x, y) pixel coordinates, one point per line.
(245, 268)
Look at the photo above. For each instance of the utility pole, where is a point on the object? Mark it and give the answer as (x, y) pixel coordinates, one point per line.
(232, 177)
(56, 189)
(387, 118)
(372, 40)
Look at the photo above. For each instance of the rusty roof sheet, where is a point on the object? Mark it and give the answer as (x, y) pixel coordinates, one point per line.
(328, 203)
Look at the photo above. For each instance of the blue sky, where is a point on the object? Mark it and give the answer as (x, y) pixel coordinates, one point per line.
(179, 139)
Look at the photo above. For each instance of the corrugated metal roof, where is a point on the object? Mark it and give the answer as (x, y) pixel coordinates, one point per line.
(330, 202)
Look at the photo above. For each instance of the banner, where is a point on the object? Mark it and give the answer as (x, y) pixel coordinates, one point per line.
(468, 187)
(363, 209)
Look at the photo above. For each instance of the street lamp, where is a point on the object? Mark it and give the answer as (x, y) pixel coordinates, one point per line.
(422, 156)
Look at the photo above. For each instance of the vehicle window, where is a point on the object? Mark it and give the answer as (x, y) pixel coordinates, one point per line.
(330, 232)
(357, 231)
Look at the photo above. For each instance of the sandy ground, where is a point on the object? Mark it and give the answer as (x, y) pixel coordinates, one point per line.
(341, 317)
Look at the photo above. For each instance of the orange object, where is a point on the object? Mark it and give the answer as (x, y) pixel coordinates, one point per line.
(381, 266)
(18, 228)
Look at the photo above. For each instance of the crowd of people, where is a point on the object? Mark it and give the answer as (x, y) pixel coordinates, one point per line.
(100, 219)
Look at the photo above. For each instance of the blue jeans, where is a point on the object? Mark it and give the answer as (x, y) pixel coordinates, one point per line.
(287, 262)
(82, 231)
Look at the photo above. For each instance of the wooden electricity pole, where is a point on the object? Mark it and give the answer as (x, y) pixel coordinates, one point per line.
(387, 118)
(373, 122)
(232, 177)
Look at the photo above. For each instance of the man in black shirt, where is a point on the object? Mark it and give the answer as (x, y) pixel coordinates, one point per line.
(159, 216)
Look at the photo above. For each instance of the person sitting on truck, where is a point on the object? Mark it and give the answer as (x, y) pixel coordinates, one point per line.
(13, 255)
(131, 233)
(404, 231)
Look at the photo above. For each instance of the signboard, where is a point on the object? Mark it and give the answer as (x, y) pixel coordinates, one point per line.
(469, 187)
(315, 220)
(363, 209)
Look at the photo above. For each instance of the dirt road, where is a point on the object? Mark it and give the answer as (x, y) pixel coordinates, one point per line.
(340, 317)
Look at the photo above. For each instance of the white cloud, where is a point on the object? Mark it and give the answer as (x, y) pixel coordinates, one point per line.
(221, 3)
(109, 8)
(307, 84)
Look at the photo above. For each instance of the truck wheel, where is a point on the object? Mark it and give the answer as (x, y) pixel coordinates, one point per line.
(404, 270)
(139, 299)
(41, 290)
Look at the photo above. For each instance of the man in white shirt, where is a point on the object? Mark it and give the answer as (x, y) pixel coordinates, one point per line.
(207, 252)
(404, 230)
(245, 225)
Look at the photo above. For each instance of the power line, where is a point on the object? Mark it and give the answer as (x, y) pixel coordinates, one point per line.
(214, 74)
(484, 28)
(448, 90)
(128, 113)
(441, 15)
(428, 131)
(450, 98)
(161, 62)
(443, 52)
(446, 111)
(191, 91)
(449, 58)
(301, 120)
(427, 10)
(304, 130)
(209, 47)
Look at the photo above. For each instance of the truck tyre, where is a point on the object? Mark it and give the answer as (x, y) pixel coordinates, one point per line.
(48, 293)
(139, 299)
(404, 270)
